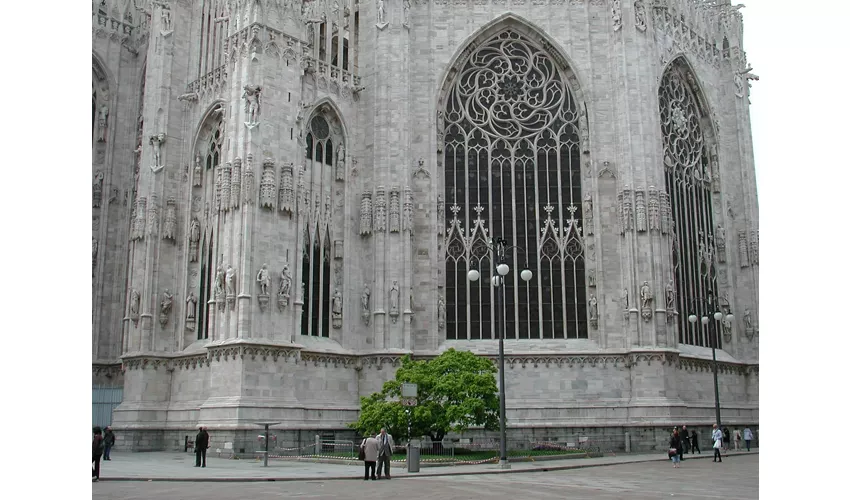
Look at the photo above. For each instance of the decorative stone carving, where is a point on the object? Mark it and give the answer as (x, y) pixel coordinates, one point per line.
(617, 15)
(364, 303)
(235, 183)
(97, 190)
(441, 312)
(407, 219)
(748, 324)
(591, 277)
(395, 218)
(252, 105)
(286, 194)
(405, 5)
(670, 296)
(726, 327)
(217, 198)
(340, 163)
(194, 238)
(102, 121)
(380, 209)
(165, 307)
(654, 210)
(592, 309)
(94, 247)
(394, 291)
(441, 215)
(381, 14)
(169, 229)
(283, 290)
(267, 185)
(219, 287)
(666, 213)
(743, 251)
(140, 219)
(640, 210)
(366, 214)
(264, 279)
(714, 165)
(135, 299)
(248, 185)
(156, 141)
(754, 247)
(303, 195)
(226, 170)
(587, 213)
(627, 219)
(230, 286)
(624, 301)
(336, 310)
(646, 301)
(640, 15)
(720, 243)
(420, 169)
(584, 133)
(197, 172)
(191, 308)
(153, 217)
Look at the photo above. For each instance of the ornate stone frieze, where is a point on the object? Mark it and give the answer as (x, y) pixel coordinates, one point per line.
(743, 250)
(139, 219)
(267, 185)
(706, 365)
(564, 360)
(217, 199)
(235, 183)
(106, 370)
(666, 213)
(754, 247)
(640, 15)
(395, 216)
(169, 228)
(153, 216)
(378, 361)
(248, 184)
(191, 362)
(380, 210)
(303, 195)
(144, 362)
(640, 210)
(366, 214)
(226, 172)
(407, 219)
(624, 204)
(252, 352)
(587, 214)
(654, 210)
(327, 360)
(286, 195)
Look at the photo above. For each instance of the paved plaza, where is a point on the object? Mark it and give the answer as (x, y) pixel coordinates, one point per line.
(638, 477)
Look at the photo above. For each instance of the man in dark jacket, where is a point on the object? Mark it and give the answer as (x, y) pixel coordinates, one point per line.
(96, 452)
(108, 442)
(686, 441)
(695, 443)
(202, 442)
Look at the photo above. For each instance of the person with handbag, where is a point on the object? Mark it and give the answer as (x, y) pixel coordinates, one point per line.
(369, 451)
(675, 451)
(717, 437)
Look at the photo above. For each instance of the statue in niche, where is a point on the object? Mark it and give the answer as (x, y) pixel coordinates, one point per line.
(165, 307)
(264, 279)
(135, 299)
(584, 134)
(625, 299)
(102, 121)
(748, 320)
(441, 312)
(394, 299)
(165, 14)
(381, 12)
(94, 247)
(252, 103)
(196, 172)
(364, 303)
(97, 190)
(593, 308)
(230, 281)
(285, 281)
(337, 304)
(406, 11)
(219, 281)
(645, 296)
(191, 304)
(156, 141)
(670, 294)
(194, 238)
(340, 163)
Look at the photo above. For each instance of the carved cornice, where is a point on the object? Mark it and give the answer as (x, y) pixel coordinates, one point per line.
(108, 370)
(144, 361)
(561, 361)
(705, 365)
(191, 362)
(378, 361)
(326, 359)
(252, 352)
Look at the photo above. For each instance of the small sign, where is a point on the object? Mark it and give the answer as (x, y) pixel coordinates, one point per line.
(228, 446)
(408, 402)
(409, 390)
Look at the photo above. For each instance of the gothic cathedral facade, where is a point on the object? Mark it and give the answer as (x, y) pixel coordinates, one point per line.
(289, 196)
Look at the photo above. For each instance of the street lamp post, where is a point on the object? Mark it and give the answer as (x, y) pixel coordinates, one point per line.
(499, 247)
(712, 327)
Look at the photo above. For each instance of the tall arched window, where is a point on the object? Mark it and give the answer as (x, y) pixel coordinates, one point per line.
(210, 159)
(316, 255)
(512, 165)
(688, 184)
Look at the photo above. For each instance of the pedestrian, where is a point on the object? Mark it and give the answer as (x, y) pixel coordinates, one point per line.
(96, 453)
(675, 451)
(695, 442)
(385, 453)
(737, 435)
(108, 442)
(202, 442)
(726, 440)
(686, 441)
(369, 446)
(748, 437)
(717, 438)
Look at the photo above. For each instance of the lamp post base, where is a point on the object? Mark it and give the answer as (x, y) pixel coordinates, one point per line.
(504, 464)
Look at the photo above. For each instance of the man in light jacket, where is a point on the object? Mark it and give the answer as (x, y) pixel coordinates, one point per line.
(717, 438)
(370, 448)
(385, 452)
(748, 437)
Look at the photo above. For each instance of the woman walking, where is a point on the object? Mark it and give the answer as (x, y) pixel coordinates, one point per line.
(717, 438)
(675, 448)
(96, 453)
(737, 440)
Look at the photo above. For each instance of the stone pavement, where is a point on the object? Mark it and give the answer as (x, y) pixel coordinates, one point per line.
(737, 478)
(175, 466)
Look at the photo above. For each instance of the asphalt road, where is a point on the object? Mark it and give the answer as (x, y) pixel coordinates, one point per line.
(736, 478)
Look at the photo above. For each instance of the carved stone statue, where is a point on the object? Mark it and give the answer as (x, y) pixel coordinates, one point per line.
(230, 281)
(219, 281)
(394, 299)
(625, 299)
(748, 320)
(252, 103)
(584, 134)
(340, 163)
(102, 122)
(194, 238)
(285, 281)
(196, 171)
(670, 294)
(165, 306)
(381, 12)
(264, 279)
(593, 307)
(191, 305)
(406, 19)
(156, 141)
(337, 304)
(645, 296)
(97, 190)
(364, 303)
(441, 312)
(165, 15)
(94, 247)
(135, 299)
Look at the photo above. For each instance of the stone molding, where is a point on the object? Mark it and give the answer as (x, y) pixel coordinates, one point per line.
(108, 370)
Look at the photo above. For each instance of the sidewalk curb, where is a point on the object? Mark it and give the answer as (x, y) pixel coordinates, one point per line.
(407, 476)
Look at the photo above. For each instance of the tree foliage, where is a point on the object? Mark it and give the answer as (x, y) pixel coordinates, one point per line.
(457, 390)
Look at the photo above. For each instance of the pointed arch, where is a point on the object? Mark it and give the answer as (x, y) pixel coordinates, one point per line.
(691, 174)
(512, 127)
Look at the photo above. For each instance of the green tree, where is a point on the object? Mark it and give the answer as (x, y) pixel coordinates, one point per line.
(457, 390)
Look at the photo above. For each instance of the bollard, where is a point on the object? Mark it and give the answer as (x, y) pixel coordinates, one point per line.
(413, 448)
(628, 443)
